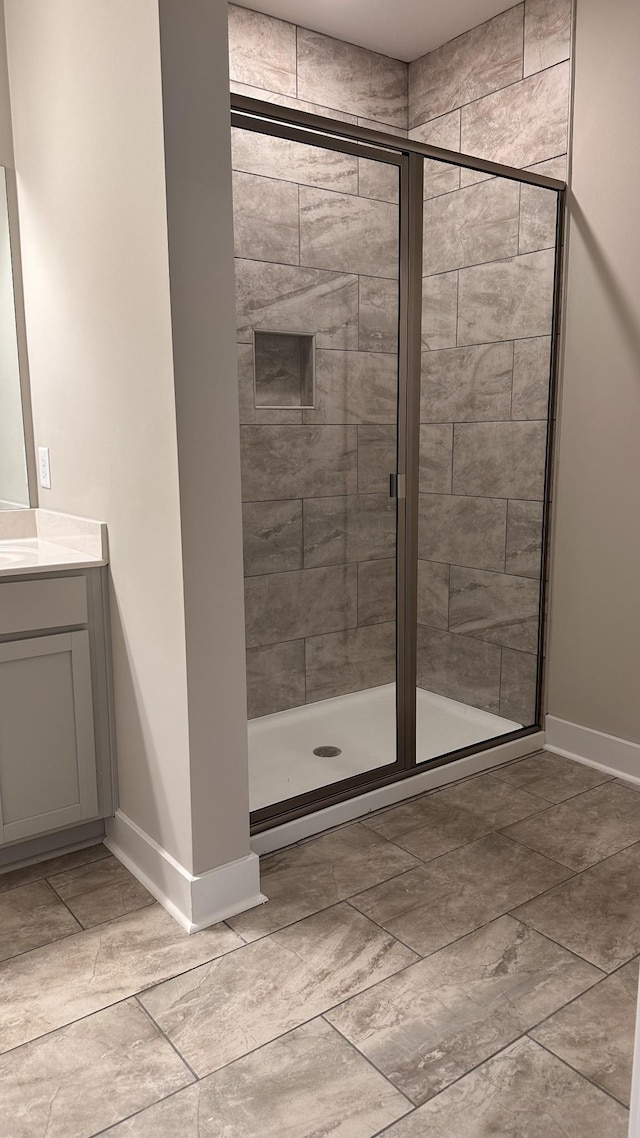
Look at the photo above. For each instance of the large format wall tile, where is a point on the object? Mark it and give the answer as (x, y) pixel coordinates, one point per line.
(349, 234)
(281, 100)
(215, 1015)
(482, 60)
(462, 530)
(459, 667)
(249, 413)
(522, 124)
(338, 74)
(380, 180)
(538, 212)
(275, 678)
(377, 458)
(473, 384)
(471, 226)
(495, 607)
(293, 162)
(439, 311)
(262, 50)
(350, 661)
(433, 594)
(524, 538)
(378, 312)
(85, 1077)
(436, 458)
(501, 460)
(286, 298)
(265, 219)
(272, 533)
(310, 1081)
(376, 591)
(355, 387)
(297, 462)
(506, 300)
(444, 132)
(547, 33)
(288, 606)
(531, 364)
(353, 527)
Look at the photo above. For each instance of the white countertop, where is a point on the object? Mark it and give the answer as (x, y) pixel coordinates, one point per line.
(37, 541)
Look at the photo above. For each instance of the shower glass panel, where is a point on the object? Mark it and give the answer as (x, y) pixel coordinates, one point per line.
(317, 236)
(488, 310)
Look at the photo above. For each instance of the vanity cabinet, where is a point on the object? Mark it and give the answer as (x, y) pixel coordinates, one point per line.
(55, 732)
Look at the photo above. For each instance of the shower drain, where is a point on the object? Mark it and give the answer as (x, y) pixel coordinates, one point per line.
(327, 752)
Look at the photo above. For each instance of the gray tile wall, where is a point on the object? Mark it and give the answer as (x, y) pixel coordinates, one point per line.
(500, 92)
(317, 251)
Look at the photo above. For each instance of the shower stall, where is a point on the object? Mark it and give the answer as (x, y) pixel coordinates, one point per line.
(397, 334)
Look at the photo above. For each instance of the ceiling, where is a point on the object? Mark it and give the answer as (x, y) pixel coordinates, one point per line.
(403, 29)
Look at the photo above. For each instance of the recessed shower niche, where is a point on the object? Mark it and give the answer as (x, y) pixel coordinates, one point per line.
(283, 370)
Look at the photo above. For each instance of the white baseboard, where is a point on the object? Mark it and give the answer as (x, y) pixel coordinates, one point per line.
(607, 753)
(196, 902)
(289, 832)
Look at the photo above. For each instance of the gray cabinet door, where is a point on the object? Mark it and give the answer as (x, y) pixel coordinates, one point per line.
(47, 746)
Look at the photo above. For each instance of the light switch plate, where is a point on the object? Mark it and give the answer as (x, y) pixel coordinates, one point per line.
(44, 467)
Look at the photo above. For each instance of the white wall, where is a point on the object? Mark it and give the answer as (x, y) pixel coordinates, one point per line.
(594, 653)
(13, 463)
(86, 92)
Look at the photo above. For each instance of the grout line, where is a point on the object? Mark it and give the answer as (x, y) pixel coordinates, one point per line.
(164, 1035)
(581, 1074)
(47, 861)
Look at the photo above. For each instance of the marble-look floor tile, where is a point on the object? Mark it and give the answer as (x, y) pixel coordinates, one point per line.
(348, 234)
(100, 892)
(531, 370)
(432, 906)
(297, 462)
(471, 226)
(551, 777)
(443, 132)
(439, 311)
(292, 162)
(378, 323)
(436, 458)
(265, 219)
(288, 298)
(522, 124)
(349, 661)
(303, 879)
(585, 829)
(459, 668)
(595, 1034)
(435, 1021)
(473, 384)
(506, 300)
(523, 1092)
(484, 59)
(595, 914)
(275, 678)
(30, 916)
(48, 866)
(379, 180)
(501, 460)
(308, 1083)
(496, 607)
(55, 985)
(462, 530)
(272, 536)
(339, 74)
(547, 33)
(523, 554)
(354, 387)
(377, 457)
(88, 1076)
(215, 1014)
(352, 527)
(518, 687)
(433, 594)
(309, 602)
(376, 591)
(262, 50)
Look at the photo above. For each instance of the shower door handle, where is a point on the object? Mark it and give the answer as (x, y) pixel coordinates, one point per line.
(397, 485)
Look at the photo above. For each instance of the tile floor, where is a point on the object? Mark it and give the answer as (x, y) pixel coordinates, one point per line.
(464, 965)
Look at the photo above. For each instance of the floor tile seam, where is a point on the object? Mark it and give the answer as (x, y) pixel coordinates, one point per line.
(558, 943)
(387, 933)
(561, 801)
(44, 876)
(493, 830)
(46, 944)
(96, 924)
(519, 842)
(62, 1027)
(575, 872)
(581, 1074)
(370, 1063)
(162, 1033)
(424, 861)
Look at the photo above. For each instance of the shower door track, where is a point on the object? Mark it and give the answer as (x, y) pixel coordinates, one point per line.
(408, 156)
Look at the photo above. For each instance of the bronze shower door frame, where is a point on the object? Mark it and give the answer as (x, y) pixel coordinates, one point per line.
(408, 156)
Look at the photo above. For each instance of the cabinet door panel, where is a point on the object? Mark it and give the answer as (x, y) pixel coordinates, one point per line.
(47, 755)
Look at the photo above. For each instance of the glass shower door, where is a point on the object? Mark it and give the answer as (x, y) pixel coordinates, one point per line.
(317, 232)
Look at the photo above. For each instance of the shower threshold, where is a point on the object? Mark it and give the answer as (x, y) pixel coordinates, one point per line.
(362, 726)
